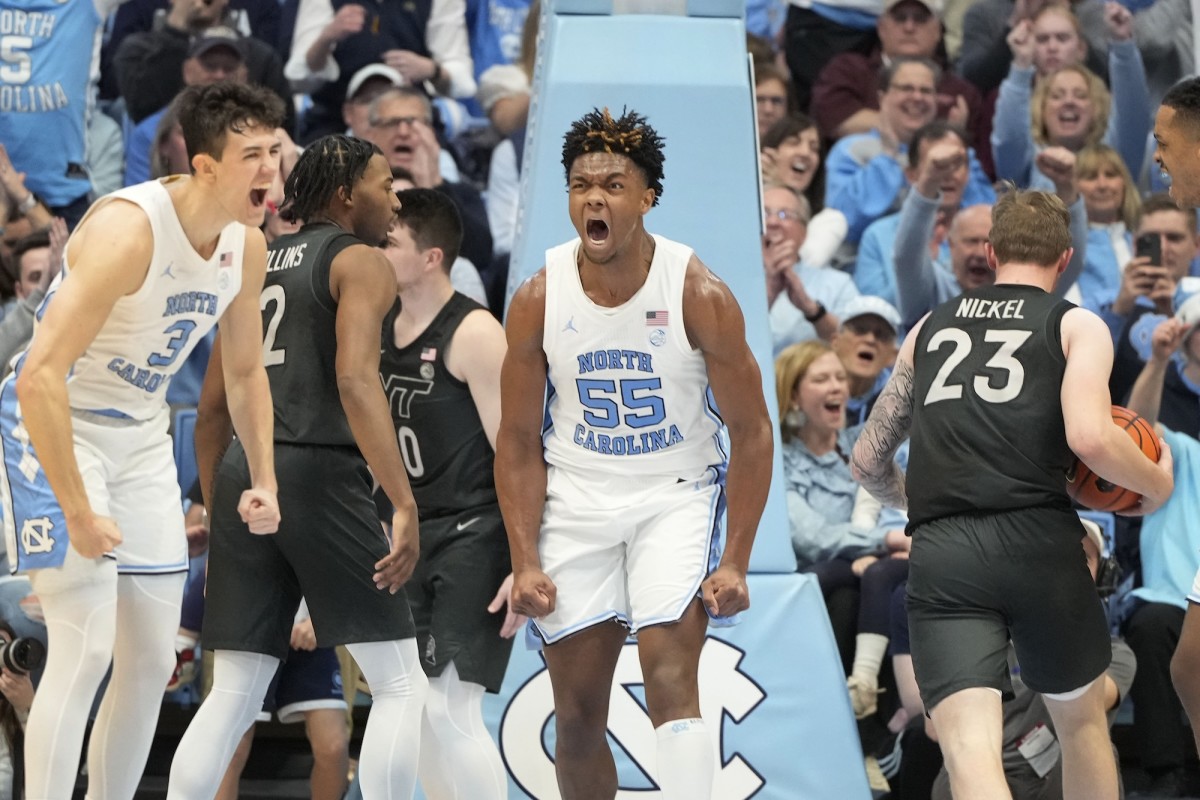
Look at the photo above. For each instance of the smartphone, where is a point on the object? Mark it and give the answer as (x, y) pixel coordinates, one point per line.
(1149, 245)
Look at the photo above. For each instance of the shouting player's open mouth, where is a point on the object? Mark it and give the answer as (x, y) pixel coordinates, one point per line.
(597, 231)
(258, 196)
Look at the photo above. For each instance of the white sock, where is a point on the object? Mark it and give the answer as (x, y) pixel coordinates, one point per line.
(458, 757)
(387, 765)
(869, 650)
(686, 761)
(240, 682)
(143, 660)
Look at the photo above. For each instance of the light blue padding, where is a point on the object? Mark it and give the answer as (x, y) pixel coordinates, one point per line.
(689, 75)
(771, 688)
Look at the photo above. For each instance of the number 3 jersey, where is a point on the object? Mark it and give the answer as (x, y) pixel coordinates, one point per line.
(988, 431)
(627, 393)
(148, 335)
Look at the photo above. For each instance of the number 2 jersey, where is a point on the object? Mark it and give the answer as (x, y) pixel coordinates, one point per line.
(300, 336)
(148, 335)
(988, 431)
(446, 451)
(627, 394)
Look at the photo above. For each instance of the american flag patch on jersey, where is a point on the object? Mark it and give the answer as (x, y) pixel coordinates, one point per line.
(656, 318)
(226, 260)
(429, 354)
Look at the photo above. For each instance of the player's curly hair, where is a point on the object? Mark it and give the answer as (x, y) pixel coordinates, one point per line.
(329, 163)
(630, 135)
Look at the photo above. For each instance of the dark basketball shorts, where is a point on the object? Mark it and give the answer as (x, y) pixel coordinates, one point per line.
(976, 581)
(307, 681)
(464, 559)
(328, 543)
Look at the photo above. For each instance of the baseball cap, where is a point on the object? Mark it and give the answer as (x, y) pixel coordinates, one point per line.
(866, 304)
(934, 6)
(218, 36)
(359, 79)
(1189, 314)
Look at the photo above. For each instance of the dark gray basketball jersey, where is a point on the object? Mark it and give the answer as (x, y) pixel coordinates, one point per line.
(988, 431)
(299, 336)
(446, 451)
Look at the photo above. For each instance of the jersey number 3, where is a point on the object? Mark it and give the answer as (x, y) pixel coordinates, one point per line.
(1002, 360)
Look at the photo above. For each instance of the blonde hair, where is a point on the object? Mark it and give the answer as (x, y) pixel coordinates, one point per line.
(1097, 93)
(791, 365)
(1088, 164)
(1030, 227)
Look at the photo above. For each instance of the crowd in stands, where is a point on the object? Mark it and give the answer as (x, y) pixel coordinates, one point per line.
(886, 129)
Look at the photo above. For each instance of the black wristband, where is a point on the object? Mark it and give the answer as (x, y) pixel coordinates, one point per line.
(820, 312)
(438, 74)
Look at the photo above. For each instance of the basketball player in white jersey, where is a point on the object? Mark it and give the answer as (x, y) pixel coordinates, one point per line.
(91, 506)
(635, 355)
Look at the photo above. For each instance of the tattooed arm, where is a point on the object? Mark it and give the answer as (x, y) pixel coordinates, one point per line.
(873, 461)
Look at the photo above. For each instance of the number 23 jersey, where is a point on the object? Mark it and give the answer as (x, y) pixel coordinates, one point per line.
(627, 394)
(988, 431)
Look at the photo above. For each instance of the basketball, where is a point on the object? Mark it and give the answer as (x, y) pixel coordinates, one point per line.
(1090, 490)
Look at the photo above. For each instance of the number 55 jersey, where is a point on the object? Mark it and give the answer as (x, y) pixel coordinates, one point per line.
(627, 393)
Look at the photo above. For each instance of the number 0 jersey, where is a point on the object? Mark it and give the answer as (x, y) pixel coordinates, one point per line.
(148, 334)
(988, 431)
(627, 394)
(446, 451)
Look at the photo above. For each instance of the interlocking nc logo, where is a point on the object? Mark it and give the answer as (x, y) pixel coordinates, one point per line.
(35, 536)
(725, 691)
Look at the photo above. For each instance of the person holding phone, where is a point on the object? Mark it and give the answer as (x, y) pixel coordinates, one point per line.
(1155, 283)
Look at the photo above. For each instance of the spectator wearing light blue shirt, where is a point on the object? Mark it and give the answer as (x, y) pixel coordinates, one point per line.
(875, 268)
(1169, 546)
(864, 173)
(1113, 208)
(921, 285)
(1072, 108)
(805, 302)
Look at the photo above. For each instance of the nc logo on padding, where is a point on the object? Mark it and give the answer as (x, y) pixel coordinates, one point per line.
(35, 536)
(725, 691)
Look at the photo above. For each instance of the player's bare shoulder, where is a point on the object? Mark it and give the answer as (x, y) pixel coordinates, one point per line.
(1082, 325)
(527, 312)
(115, 241)
(709, 307)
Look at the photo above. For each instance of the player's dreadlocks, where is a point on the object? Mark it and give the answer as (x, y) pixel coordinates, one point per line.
(328, 163)
(630, 135)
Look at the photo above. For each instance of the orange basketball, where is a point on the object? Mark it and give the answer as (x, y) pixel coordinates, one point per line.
(1089, 489)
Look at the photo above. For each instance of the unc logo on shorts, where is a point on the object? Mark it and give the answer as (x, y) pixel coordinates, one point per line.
(724, 691)
(35, 536)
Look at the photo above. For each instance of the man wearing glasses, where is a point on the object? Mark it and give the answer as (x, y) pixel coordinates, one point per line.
(400, 122)
(804, 302)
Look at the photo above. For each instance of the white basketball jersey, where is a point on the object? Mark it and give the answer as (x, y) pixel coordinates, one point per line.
(149, 334)
(628, 394)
